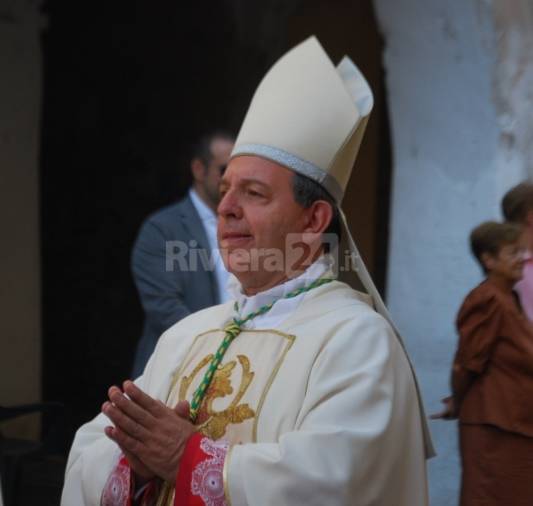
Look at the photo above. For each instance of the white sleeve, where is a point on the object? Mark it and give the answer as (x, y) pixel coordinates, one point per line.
(352, 444)
(93, 457)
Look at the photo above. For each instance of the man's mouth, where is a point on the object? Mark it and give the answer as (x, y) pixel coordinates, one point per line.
(234, 239)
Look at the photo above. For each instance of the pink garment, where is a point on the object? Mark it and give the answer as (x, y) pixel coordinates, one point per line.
(525, 289)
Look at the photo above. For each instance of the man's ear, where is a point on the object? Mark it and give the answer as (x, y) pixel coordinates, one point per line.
(198, 170)
(319, 216)
(488, 261)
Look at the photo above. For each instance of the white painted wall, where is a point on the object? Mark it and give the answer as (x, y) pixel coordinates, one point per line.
(452, 164)
(513, 86)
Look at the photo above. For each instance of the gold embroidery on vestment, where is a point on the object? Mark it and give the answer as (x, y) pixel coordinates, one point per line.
(179, 371)
(291, 338)
(212, 423)
(187, 380)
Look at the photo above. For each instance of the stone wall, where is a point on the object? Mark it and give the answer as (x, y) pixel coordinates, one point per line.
(459, 90)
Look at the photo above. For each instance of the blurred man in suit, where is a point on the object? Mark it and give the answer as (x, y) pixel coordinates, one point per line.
(175, 261)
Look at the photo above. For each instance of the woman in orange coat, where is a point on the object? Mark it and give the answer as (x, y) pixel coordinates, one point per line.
(492, 377)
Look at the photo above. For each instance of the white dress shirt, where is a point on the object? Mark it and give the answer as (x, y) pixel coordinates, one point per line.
(209, 221)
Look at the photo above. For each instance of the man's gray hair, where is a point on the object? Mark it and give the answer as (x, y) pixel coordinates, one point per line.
(306, 192)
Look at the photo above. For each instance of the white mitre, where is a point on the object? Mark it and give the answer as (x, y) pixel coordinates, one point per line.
(310, 116)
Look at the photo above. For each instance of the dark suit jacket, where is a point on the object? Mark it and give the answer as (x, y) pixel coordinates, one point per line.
(173, 279)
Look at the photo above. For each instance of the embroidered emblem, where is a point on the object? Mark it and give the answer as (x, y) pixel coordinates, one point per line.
(213, 423)
(117, 488)
(207, 477)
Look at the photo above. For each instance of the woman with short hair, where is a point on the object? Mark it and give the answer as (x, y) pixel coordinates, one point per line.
(492, 377)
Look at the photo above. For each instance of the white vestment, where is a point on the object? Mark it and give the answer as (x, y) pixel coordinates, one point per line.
(320, 410)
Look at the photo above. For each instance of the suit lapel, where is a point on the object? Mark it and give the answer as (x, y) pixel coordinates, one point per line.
(193, 224)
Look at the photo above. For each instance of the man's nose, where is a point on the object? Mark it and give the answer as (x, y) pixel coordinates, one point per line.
(229, 205)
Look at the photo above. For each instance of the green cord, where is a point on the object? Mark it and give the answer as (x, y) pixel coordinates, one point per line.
(232, 330)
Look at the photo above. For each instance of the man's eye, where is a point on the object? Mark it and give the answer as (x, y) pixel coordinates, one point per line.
(254, 193)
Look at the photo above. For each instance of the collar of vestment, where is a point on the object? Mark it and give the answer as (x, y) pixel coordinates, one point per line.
(283, 308)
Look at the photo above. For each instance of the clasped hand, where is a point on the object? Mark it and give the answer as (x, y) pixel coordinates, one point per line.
(151, 435)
